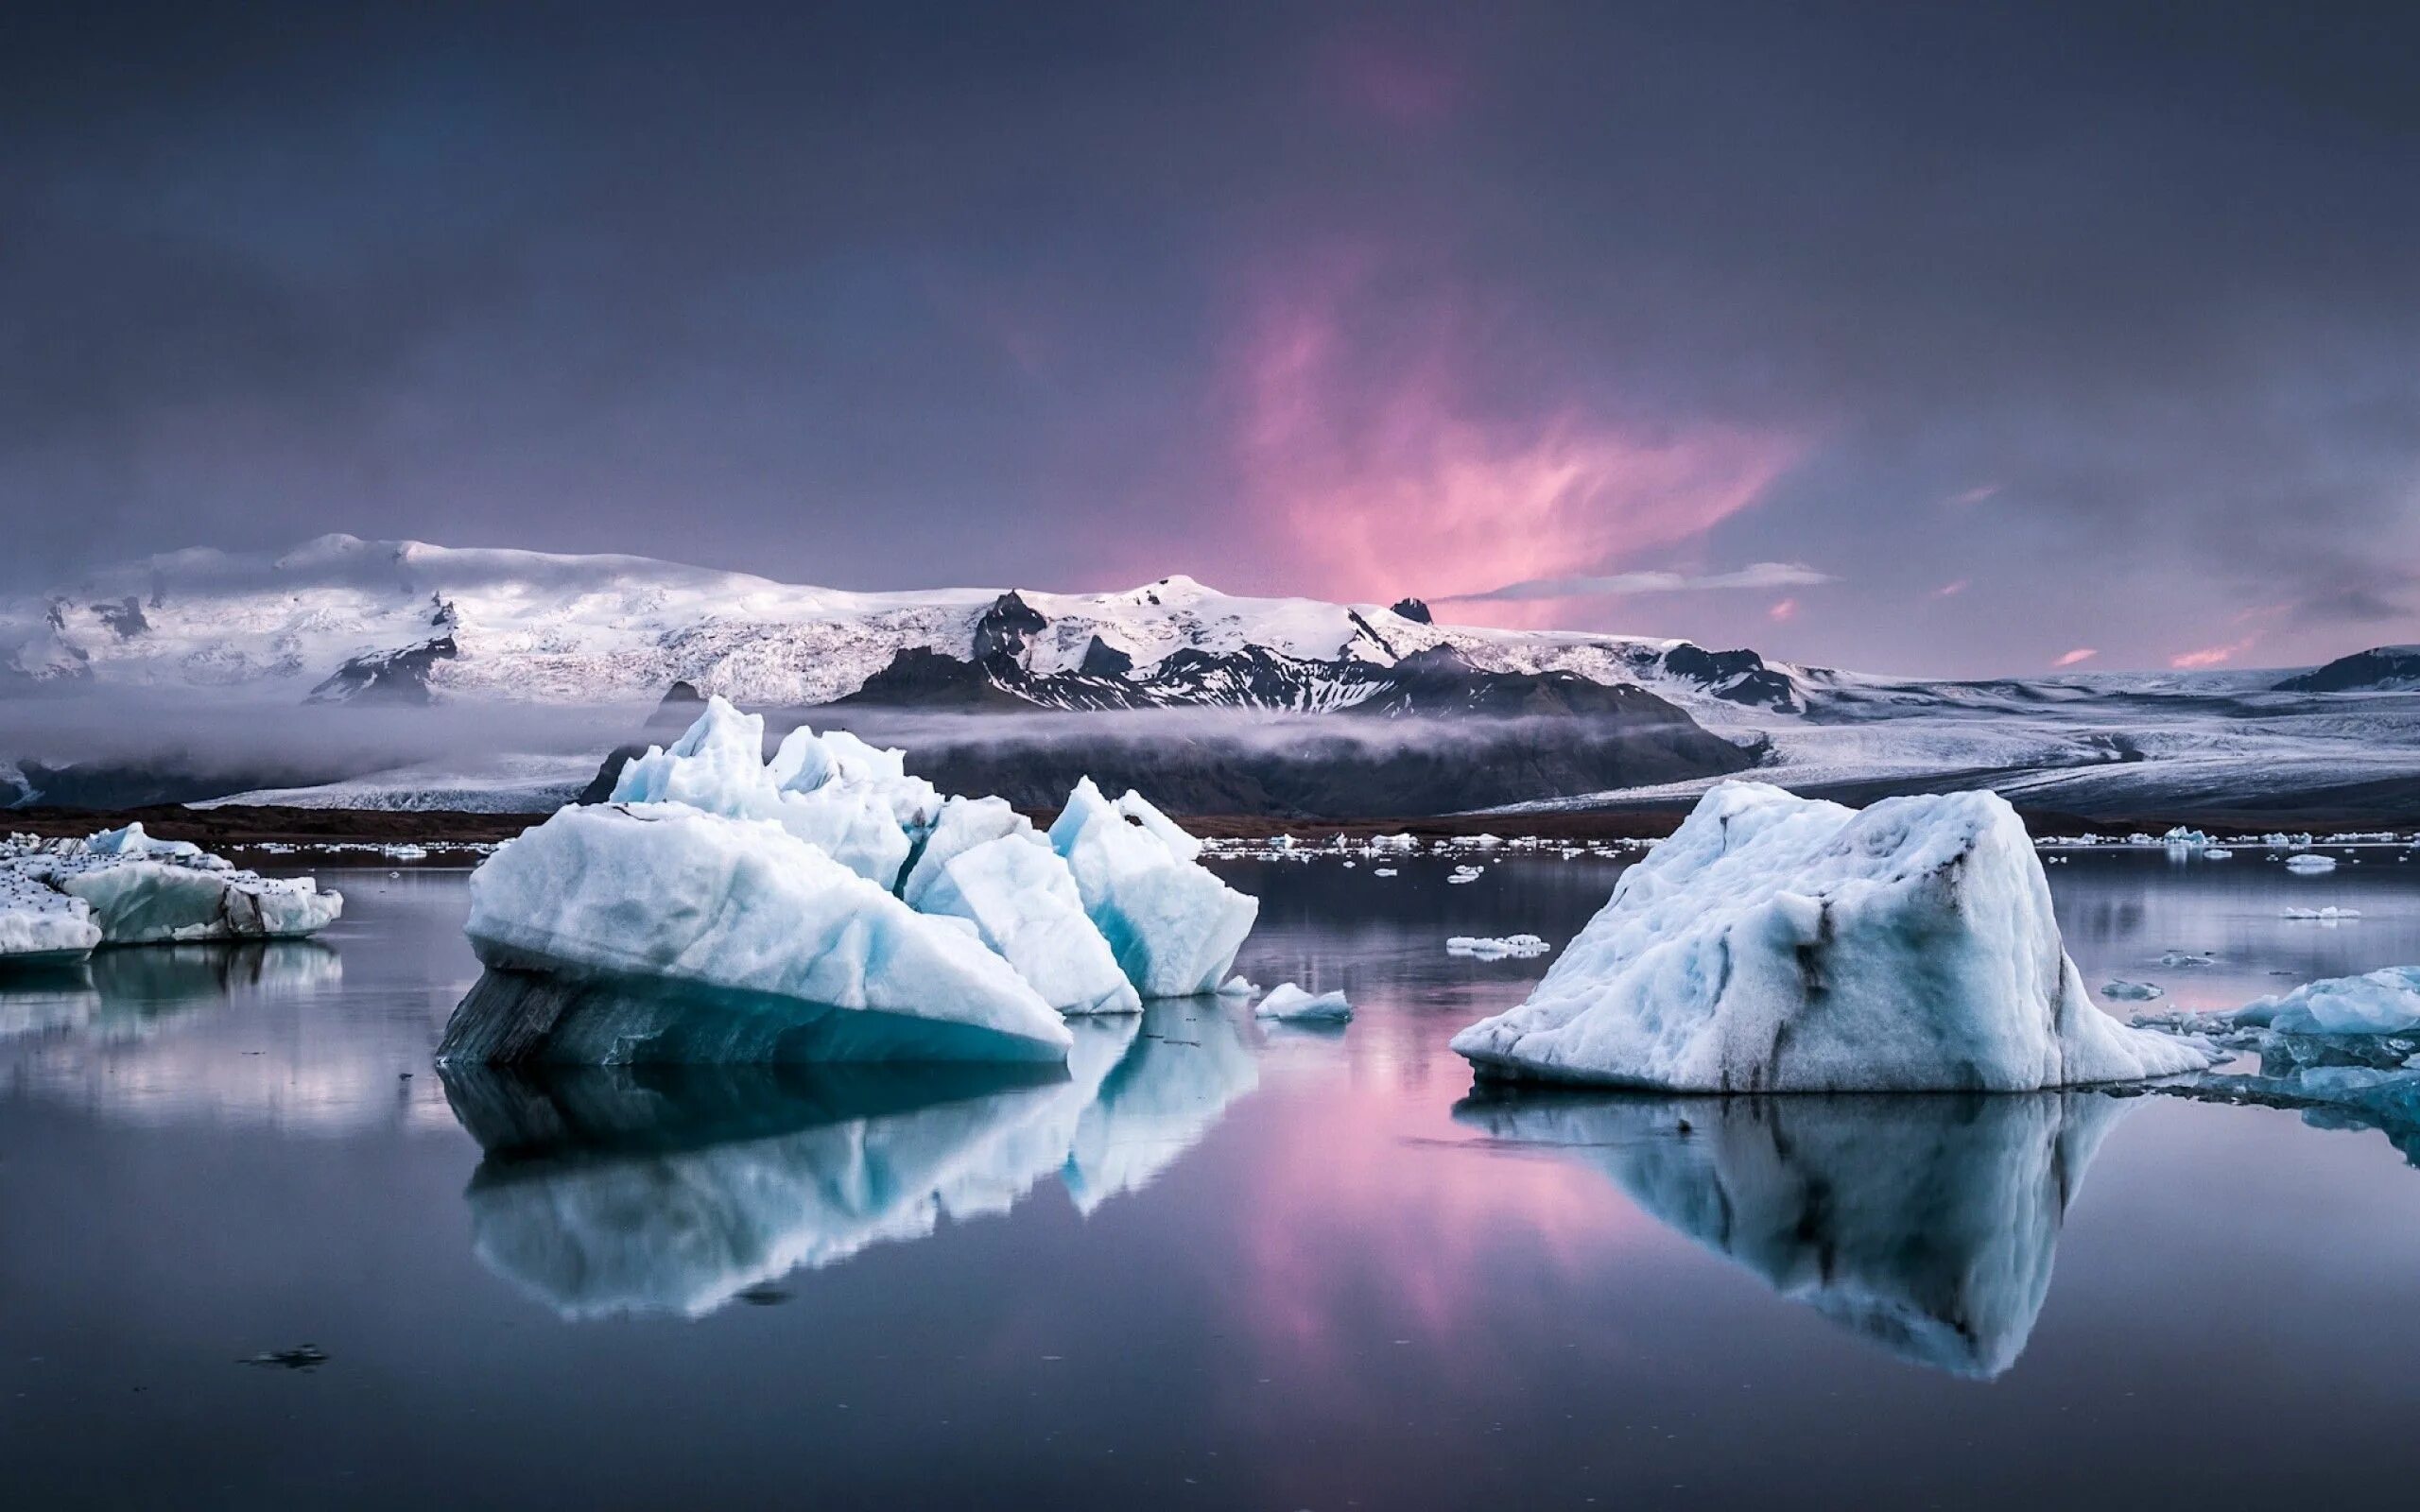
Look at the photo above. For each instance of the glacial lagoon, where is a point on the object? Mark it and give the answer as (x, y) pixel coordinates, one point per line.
(258, 1247)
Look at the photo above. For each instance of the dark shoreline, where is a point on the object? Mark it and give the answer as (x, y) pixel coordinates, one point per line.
(241, 829)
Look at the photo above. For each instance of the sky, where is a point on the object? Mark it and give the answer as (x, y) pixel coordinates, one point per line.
(1951, 339)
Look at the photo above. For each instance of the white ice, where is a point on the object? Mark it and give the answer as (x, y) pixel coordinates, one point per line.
(1775, 943)
(138, 891)
(667, 892)
(1021, 895)
(1496, 947)
(1290, 1003)
(38, 922)
(1173, 925)
(2382, 1001)
(2310, 865)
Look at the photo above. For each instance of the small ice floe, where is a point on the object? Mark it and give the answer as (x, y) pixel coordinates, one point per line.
(1463, 874)
(1236, 986)
(2216, 852)
(1496, 947)
(2308, 865)
(2329, 915)
(1382, 871)
(2381, 1002)
(136, 890)
(2188, 959)
(1289, 1004)
(1776, 943)
(2125, 991)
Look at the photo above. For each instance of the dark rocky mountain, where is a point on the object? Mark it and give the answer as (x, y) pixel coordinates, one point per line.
(2379, 669)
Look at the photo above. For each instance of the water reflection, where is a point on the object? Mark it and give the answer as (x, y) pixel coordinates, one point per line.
(2350, 1081)
(126, 992)
(653, 1188)
(1925, 1224)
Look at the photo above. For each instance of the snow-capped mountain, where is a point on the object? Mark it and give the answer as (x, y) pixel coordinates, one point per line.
(344, 619)
(1541, 718)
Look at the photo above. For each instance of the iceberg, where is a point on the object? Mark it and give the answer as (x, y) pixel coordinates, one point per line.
(2382, 1001)
(138, 891)
(1289, 1004)
(811, 961)
(41, 925)
(1780, 944)
(2308, 865)
(1023, 900)
(1496, 947)
(825, 904)
(1924, 1225)
(1173, 926)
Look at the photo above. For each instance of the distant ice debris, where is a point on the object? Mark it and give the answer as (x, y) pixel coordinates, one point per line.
(137, 890)
(1487, 948)
(1292, 1005)
(2326, 916)
(2216, 852)
(2381, 1002)
(1463, 874)
(2125, 991)
(826, 905)
(1236, 986)
(1780, 944)
(2310, 865)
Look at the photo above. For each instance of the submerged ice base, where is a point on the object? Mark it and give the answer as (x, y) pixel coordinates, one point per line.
(1781, 944)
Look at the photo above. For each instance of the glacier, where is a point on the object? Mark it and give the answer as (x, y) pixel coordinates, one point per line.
(1775, 943)
(827, 905)
(63, 898)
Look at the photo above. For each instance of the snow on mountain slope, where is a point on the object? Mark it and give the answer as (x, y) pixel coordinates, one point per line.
(341, 618)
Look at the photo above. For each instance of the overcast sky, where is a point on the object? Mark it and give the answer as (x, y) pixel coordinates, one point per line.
(1951, 338)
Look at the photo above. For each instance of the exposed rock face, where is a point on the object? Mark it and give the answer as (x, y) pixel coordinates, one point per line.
(2379, 669)
(1412, 609)
(385, 677)
(1740, 677)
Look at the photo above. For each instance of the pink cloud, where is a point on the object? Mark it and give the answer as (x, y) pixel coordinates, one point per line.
(1975, 495)
(1783, 610)
(2080, 654)
(1378, 471)
(2213, 656)
(1950, 590)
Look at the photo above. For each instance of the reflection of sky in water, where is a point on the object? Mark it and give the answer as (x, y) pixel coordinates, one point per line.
(1278, 1270)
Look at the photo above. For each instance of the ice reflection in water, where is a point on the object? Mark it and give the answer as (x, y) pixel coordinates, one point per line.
(1925, 1224)
(618, 1190)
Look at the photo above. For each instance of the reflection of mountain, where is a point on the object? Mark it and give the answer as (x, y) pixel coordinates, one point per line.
(1924, 1224)
(620, 1190)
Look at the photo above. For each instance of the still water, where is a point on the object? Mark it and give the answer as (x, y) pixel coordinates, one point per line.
(1217, 1266)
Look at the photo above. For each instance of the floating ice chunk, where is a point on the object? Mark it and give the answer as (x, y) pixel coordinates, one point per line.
(1021, 895)
(1463, 874)
(1382, 871)
(2125, 991)
(2216, 852)
(1926, 1226)
(1291, 1004)
(1487, 948)
(2188, 959)
(2382, 1001)
(39, 925)
(1173, 926)
(2329, 915)
(1775, 943)
(2186, 839)
(1236, 986)
(140, 891)
(820, 963)
(2310, 865)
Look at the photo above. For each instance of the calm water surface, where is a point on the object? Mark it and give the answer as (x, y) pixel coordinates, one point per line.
(1217, 1265)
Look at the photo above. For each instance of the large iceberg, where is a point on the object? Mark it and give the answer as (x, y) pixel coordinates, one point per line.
(817, 962)
(1781, 944)
(136, 890)
(827, 905)
(1175, 928)
(1926, 1226)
